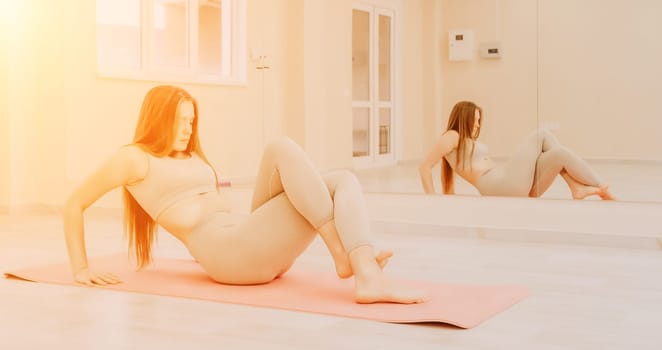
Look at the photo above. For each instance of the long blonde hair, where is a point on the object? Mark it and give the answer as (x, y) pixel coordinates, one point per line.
(155, 134)
(461, 119)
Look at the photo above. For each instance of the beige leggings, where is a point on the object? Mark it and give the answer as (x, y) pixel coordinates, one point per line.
(291, 200)
(532, 169)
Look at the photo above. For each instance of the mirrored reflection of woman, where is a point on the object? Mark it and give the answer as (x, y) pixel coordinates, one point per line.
(530, 171)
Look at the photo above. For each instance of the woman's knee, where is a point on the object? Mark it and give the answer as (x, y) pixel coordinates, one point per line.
(344, 178)
(347, 176)
(542, 133)
(556, 155)
(281, 147)
(546, 139)
(281, 144)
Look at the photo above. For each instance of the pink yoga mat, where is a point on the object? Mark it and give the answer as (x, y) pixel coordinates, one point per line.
(461, 305)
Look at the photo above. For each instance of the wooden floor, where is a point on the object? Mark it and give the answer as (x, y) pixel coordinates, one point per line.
(596, 293)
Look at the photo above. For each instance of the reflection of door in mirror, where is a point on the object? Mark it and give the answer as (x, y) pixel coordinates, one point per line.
(372, 76)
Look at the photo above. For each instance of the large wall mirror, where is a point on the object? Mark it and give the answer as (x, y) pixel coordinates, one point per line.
(587, 70)
(600, 66)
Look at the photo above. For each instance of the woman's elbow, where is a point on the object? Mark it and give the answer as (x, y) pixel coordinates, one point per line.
(424, 168)
(73, 206)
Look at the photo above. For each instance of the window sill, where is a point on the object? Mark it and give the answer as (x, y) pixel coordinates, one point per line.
(176, 78)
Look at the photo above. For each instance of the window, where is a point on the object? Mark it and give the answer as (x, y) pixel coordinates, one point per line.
(190, 41)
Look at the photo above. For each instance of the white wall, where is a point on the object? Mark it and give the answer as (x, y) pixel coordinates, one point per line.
(4, 110)
(421, 89)
(600, 73)
(597, 78)
(506, 87)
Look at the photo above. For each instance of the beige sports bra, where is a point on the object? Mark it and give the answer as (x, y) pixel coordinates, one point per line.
(169, 180)
(480, 152)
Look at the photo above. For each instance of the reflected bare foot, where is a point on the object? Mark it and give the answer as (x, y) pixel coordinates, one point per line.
(344, 269)
(605, 194)
(583, 191)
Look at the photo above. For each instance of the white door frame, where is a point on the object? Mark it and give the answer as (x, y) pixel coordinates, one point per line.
(392, 8)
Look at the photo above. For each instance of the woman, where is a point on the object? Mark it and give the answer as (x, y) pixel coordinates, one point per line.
(167, 181)
(529, 172)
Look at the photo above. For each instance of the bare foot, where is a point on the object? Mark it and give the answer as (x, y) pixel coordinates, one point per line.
(344, 269)
(377, 288)
(605, 194)
(382, 257)
(372, 286)
(583, 191)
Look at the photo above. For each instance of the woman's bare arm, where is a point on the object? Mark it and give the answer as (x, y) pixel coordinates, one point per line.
(446, 143)
(127, 165)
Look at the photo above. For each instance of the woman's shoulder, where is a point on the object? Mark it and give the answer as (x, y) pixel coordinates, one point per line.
(135, 157)
(451, 135)
(132, 152)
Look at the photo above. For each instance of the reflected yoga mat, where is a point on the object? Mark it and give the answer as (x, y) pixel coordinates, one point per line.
(461, 305)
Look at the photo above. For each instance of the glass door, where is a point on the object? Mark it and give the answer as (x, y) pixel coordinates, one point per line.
(372, 85)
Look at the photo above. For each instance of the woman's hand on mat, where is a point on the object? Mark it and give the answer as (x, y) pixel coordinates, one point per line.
(92, 278)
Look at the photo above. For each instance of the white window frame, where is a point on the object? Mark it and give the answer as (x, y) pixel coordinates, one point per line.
(233, 50)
